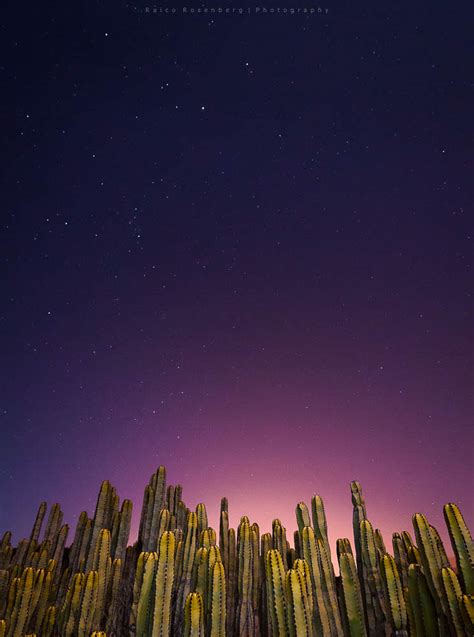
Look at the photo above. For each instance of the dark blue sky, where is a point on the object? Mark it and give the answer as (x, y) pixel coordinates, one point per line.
(239, 246)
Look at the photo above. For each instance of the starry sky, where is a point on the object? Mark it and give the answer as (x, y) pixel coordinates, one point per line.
(238, 245)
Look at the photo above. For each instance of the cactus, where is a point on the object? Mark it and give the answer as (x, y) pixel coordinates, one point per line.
(311, 554)
(194, 616)
(302, 516)
(24, 592)
(370, 553)
(164, 586)
(300, 621)
(463, 546)
(217, 586)
(275, 578)
(185, 567)
(453, 593)
(394, 599)
(422, 609)
(88, 604)
(352, 596)
(431, 562)
(247, 583)
(245, 616)
(466, 602)
(35, 532)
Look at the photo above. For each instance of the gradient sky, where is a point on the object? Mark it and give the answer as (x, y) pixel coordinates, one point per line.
(238, 246)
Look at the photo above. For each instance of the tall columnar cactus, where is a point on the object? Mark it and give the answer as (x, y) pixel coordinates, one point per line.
(421, 607)
(453, 593)
(49, 622)
(213, 555)
(276, 594)
(352, 596)
(394, 598)
(54, 522)
(245, 616)
(224, 534)
(217, 586)
(231, 582)
(463, 546)
(112, 607)
(370, 553)
(358, 515)
(102, 563)
(88, 605)
(24, 592)
(200, 568)
(101, 517)
(431, 562)
(320, 525)
(201, 517)
(246, 584)
(164, 586)
(194, 616)
(302, 516)
(300, 621)
(311, 554)
(138, 575)
(279, 540)
(153, 502)
(35, 532)
(120, 538)
(401, 557)
(466, 603)
(184, 570)
(302, 567)
(144, 615)
(69, 614)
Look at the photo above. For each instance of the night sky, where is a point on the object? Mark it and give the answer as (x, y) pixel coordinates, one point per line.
(238, 246)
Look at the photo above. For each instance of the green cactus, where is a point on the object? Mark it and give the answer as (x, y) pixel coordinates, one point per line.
(153, 502)
(201, 517)
(245, 616)
(300, 622)
(35, 533)
(276, 593)
(217, 585)
(69, 613)
(453, 593)
(23, 595)
(352, 596)
(144, 615)
(370, 553)
(184, 567)
(88, 605)
(120, 538)
(430, 560)
(463, 546)
(394, 599)
(248, 584)
(466, 602)
(302, 516)
(311, 554)
(102, 563)
(164, 586)
(231, 581)
(194, 616)
(424, 621)
(49, 622)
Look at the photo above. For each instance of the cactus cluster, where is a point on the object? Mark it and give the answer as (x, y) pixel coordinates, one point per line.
(181, 577)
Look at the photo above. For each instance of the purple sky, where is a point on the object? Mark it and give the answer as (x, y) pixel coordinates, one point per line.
(241, 247)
